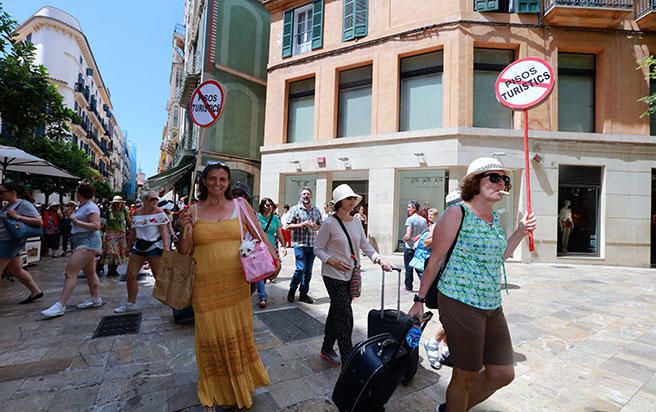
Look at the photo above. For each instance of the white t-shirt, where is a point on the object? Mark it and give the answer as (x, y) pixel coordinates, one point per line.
(82, 214)
(147, 227)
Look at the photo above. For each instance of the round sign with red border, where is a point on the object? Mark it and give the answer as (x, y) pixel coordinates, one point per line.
(524, 83)
(207, 103)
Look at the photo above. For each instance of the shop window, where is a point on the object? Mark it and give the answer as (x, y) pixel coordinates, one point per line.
(579, 189)
(576, 92)
(300, 111)
(294, 183)
(421, 92)
(488, 112)
(428, 187)
(356, 19)
(303, 29)
(354, 117)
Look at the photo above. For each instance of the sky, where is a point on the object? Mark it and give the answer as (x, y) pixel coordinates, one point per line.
(131, 42)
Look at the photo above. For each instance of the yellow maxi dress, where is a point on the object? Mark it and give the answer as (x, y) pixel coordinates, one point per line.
(229, 367)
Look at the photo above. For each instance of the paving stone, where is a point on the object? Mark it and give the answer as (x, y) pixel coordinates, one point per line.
(318, 405)
(628, 369)
(8, 388)
(288, 370)
(290, 392)
(150, 402)
(76, 399)
(263, 401)
(182, 397)
(112, 391)
(35, 402)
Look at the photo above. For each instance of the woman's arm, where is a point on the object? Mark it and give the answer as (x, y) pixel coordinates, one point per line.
(92, 224)
(185, 244)
(164, 233)
(527, 224)
(282, 244)
(444, 234)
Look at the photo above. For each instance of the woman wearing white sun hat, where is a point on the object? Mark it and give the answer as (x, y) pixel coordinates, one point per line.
(468, 291)
(332, 248)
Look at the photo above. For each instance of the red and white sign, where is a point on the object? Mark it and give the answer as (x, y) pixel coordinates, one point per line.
(524, 83)
(207, 103)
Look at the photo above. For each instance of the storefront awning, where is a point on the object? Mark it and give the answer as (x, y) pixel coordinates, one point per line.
(169, 178)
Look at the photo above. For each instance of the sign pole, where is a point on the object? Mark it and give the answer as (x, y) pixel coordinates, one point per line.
(527, 163)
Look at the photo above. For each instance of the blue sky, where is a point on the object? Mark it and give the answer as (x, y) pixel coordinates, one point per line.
(131, 42)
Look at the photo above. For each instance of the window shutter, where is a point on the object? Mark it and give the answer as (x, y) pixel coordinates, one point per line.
(348, 23)
(528, 6)
(361, 18)
(287, 32)
(317, 24)
(486, 5)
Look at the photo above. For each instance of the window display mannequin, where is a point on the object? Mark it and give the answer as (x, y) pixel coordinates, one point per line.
(566, 224)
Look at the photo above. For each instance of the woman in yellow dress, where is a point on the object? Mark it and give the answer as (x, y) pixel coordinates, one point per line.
(229, 367)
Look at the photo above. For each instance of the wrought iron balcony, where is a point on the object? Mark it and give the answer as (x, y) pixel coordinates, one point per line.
(186, 147)
(587, 13)
(645, 14)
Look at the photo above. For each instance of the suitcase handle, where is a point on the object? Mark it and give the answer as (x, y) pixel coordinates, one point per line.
(398, 297)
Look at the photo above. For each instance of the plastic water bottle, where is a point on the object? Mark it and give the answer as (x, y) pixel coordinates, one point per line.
(413, 336)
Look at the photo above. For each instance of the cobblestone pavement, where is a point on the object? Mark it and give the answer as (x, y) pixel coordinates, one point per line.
(584, 337)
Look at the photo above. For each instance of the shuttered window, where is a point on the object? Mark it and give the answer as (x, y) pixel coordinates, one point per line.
(576, 92)
(486, 5)
(354, 117)
(302, 29)
(300, 117)
(528, 6)
(421, 92)
(488, 112)
(356, 19)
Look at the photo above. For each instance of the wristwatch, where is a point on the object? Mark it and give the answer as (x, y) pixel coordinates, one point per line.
(419, 299)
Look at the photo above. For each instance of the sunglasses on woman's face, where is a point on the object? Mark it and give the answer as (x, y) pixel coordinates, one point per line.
(496, 178)
(153, 199)
(351, 198)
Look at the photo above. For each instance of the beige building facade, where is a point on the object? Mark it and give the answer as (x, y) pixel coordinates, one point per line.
(396, 97)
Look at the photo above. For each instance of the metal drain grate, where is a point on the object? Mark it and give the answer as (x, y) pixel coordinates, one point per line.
(291, 324)
(126, 324)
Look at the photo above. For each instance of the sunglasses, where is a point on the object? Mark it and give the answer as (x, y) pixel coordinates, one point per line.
(352, 198)
(496, 178)
(154, 199)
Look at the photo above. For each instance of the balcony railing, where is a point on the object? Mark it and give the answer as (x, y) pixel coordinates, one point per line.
(186, 147)
(643, 7)
(605, 4)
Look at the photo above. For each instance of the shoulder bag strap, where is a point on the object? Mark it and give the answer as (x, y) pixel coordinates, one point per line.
(269, 222)
(453, 245)
(241, 209)
(353, 255)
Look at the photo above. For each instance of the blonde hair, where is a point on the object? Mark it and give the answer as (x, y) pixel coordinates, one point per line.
(433, 211)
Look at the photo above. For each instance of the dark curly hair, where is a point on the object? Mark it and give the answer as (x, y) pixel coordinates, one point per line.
(470, 186)
(87, 190)
(202, 187)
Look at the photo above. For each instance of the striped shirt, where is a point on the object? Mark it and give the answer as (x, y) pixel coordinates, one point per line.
(299, 214)
(473, 273)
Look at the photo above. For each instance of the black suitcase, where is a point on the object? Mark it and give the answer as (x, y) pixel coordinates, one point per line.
(183, 316)
(395, 322)
(372, 372)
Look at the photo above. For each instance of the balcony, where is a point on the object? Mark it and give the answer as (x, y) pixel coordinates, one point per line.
(645, 14)
(190, 81)
(587, 13)
(186, 147)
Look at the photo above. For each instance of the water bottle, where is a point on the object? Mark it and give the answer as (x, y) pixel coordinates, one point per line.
(413, 336)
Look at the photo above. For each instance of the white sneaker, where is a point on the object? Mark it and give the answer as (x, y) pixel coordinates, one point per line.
(126, 307)
(432, 347)
(53, 311)
(90, 303)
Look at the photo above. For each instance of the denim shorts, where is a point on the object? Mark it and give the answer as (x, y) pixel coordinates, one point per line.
(153, 252)
(87, 240)
(9, 249)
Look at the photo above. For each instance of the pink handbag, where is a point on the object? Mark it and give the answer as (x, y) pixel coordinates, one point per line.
(259, 264)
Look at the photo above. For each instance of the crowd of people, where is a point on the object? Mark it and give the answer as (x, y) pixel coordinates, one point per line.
(466, 245)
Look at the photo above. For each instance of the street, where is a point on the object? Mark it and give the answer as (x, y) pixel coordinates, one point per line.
(584, 340)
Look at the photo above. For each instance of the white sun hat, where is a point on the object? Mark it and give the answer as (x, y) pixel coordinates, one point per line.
(343, 191)
(485, 164)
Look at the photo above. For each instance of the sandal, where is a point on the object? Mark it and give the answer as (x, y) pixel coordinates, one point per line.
(262, 304)
(432, 347)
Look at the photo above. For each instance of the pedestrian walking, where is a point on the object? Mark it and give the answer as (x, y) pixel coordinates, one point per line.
(115, 245)
(469, 296)
(304, 221)
(286, 233)
(52, 228)
(87, 243)
(337, 245)
(149, 237)
(362, 217)
(229, 367)
(422, 244)
(414, 225)
(66, 226)
(271, 226)
(20, 208)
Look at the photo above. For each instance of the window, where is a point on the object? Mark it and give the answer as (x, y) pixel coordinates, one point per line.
(300, 111)
(576, 92)
(303, 29)
(488, 112)
(421, 91)
(176, 116)
(507, 6)
(354, 118)
(579, 188)
(28, 38)
(356, 19)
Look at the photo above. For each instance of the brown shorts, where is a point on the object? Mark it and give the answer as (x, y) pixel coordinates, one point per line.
(476, 337)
